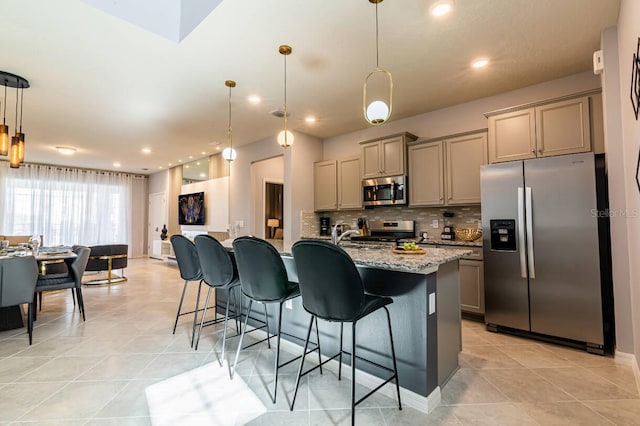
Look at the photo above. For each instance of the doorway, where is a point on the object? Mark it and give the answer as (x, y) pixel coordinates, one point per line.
(273, 209)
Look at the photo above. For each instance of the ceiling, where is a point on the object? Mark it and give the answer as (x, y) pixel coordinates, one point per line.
(109, 88)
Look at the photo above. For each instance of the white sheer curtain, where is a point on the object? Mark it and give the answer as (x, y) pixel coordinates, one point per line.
(66, 206)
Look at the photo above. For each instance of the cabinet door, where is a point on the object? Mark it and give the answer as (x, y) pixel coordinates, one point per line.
(472, 286)
(349, 184)
(465, 155)
(426, 174)
(392, 161)
(563, 127)
(512, 136)
(325, 186)
(371, 167)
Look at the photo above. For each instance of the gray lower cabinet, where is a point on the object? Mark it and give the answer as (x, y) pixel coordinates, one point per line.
(472, 286)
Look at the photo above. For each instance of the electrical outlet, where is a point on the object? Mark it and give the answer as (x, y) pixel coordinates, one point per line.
(240, 223)
(288, 304)
(434, 223)
(432, 303)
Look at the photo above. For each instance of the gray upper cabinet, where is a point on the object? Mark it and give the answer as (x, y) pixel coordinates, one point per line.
(349, 184)
(325, 185)
(447, 171)
(337, 184)
(385, 156)
(540, 130)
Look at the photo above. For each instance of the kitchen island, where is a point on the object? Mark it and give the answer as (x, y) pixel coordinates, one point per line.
(425, 317)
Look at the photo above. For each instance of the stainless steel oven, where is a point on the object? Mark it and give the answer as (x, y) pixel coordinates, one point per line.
(384, 191)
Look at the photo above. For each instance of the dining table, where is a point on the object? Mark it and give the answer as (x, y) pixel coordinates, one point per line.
(11, 317)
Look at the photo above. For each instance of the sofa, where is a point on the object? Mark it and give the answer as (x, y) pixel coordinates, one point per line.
(106, 258)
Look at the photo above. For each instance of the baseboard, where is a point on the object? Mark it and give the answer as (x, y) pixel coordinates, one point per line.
(629, 359)
(409, 398)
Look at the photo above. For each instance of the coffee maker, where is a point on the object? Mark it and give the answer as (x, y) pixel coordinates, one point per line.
(325, 226)
(448, 232)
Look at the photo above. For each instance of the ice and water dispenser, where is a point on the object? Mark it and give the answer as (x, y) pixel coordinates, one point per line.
(503, 234)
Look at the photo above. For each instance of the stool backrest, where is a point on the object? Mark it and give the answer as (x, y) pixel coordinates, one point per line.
(217, 267)
(261, 270)
(187, 258)
(18, 277)
(330, 285)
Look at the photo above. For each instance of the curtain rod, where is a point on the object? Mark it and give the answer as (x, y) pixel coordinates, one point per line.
(53, 166)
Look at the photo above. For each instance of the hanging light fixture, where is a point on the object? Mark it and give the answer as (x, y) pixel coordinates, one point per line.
(4, 129)
(377, 111)
(285, 137)
(16, 150)
(229, 153)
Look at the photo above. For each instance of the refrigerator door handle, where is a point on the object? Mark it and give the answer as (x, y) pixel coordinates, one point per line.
(521, 241)
(529, 217)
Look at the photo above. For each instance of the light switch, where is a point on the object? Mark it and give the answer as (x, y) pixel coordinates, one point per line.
(434, 224)
(240, 223)
(432, 303)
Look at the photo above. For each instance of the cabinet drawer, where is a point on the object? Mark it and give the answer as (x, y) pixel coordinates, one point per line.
(476, 255)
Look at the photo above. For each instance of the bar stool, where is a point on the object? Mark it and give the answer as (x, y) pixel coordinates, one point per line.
(263, 279)
(219, 272)
(189, 266)
(336, 293)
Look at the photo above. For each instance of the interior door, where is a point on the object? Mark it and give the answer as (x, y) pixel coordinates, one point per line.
(564, 282)
(505, 276)
(157, 218)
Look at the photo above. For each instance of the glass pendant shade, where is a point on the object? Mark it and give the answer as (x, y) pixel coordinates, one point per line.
(377, 112)
(20, 137)
(14, 159)
(4, 139)
(285, 138)
(229, 154)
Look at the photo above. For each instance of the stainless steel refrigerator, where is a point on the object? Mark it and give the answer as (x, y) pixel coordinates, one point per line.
(547, 249)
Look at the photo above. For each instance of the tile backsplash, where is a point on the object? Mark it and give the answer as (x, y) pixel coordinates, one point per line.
(464, 217)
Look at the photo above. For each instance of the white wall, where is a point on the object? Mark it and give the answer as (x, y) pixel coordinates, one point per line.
(628, 33)
(159, 182)
(459, 118)
(271, 169)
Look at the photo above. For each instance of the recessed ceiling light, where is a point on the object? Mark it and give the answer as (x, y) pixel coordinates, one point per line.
(186, 166)
(310, 119)
(202, 175)
(480, 63)
(159, 167)
(170, 164)
(146, 150)
(254, 99)
(190, 157)
(442, 8)
(116, 164)
(203, 153)
(66, 150)
(218, 148)
(198, 163)
(179, 161)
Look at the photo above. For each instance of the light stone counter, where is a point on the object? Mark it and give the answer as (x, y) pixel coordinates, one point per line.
(381, 256)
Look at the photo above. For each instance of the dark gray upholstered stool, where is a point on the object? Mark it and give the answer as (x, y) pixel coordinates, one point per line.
(18, 276)
(263, 279)
(336, 294)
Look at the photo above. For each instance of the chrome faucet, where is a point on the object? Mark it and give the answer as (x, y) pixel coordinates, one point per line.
(335, 239)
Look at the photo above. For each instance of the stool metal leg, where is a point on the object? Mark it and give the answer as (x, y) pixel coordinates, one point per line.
(195, 314)
(275, 379)
(244, 330)
(175, 324)
(204, 314)
(304, 352)
(266, 321)
(353, 373)
(340, 358)
(226, 319)
(318, 343)
(393, 357)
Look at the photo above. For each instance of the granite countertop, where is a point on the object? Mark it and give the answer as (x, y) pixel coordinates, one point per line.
(381, 256)
(476, 243)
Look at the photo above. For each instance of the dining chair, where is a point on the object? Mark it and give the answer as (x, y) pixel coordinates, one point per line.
(219, 272)
(337, 294)
(264, 279)
(18, 276)
(72, 280)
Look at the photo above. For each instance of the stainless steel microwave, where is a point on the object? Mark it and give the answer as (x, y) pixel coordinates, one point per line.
(387, 191)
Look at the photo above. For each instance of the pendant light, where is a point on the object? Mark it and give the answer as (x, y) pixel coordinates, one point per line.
(17, 148)
(285, 137)
(4, 129)
(229, 153)
(377, 111)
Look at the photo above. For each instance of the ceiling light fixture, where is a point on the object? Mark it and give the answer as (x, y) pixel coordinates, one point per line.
(377, 111)
(441, 8)
(254, 99)
(66, 150)
(229, 153)
(480, 63)
(310, 119)
(116, 164)
(285, 137)
(16, 150)
(146, 150)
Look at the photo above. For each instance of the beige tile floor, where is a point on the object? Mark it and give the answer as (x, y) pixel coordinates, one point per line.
(124, 367)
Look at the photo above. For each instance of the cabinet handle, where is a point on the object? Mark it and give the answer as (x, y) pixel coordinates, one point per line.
(441, 198)
(539, 151)
(533, 152)
(450, 198)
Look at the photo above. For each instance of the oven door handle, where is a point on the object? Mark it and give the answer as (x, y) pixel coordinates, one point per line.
(393, 192)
